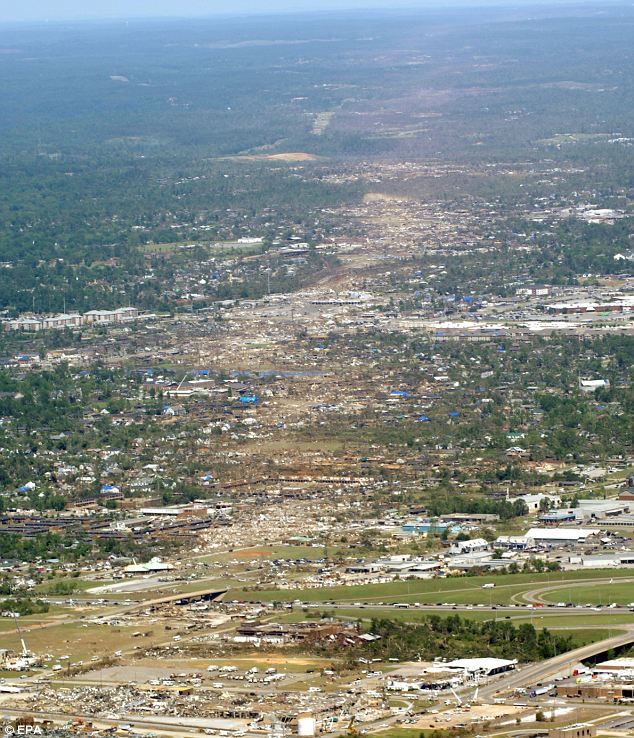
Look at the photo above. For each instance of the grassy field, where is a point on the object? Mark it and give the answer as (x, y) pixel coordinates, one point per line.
(583, 637)
(406, 616)
(292, 664)
(458, 590)
(583, 628)
(55, 612)
(598, 594)
(80, 641)
(566, 619)
(79, 585)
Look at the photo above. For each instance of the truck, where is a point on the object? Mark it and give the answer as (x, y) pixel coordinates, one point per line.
(538, 691)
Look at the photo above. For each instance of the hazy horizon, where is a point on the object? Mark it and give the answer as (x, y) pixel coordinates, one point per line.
(65, 10)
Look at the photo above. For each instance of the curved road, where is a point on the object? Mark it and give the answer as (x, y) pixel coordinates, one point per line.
(534, 595)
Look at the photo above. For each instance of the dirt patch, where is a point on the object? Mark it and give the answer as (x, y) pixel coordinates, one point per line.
(290, 156)
(126, 674)
(296, 156)
(380, 197)
(250, 554)
(459, 717)
(282, 659)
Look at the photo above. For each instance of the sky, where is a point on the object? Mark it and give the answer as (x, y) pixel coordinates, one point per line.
(55, 10)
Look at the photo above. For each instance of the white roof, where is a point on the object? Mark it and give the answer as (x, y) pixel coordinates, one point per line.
(473, 543)
(161, 510)
(484, 664)
(149, 567)
(561, 534)
(623, 663)
(601, 504)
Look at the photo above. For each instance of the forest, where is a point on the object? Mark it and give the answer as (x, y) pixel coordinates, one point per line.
(161, 134)
(458, 637)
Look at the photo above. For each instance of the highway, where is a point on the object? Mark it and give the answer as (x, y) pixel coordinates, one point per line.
(533, 674)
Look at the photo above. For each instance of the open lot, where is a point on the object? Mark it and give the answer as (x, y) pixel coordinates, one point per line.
(459, 590)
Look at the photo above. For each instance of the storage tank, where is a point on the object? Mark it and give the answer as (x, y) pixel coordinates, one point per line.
(306, 725)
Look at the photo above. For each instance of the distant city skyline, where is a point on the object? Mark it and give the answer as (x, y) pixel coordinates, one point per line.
(61, 10)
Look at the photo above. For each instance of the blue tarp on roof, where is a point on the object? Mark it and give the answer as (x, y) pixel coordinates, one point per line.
(249, 399)
(454, 414)
(423, 419)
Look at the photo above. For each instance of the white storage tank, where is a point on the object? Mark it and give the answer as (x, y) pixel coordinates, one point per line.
(306, 725)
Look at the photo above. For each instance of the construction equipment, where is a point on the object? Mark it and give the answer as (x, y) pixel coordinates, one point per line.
(457, 696)
(351, 730)
(25, 650)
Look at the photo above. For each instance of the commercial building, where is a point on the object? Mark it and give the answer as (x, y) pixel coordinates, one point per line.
(591, 385)
(459, 548)
(602, 561)
(474, 667)
(623, 304)
(473, 518)
(64, 320)
(580, 730)
(534, 502)
(588, 509)
(71, 320)
(533, 291)
(615, 666)
(512, 543)
(595, 689)
(424, 526)
(559, 536)
(555, 517)
(155, 565)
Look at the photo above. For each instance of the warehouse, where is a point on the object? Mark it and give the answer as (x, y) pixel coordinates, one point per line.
(561, 536)
(474, 667)
(580, 730)
(471, 546)
(596, 690)
(587, 509)
(152, 566)
(615, 666)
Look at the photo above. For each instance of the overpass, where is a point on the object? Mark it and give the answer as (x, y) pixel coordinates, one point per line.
(532, 674)
(183, 598)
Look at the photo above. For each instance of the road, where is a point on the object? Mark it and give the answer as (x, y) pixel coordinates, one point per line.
(521, 610)
(535, 595)
(168, 726)
(532, 674)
